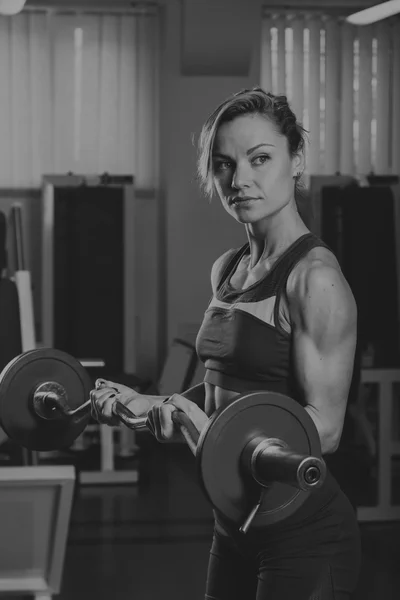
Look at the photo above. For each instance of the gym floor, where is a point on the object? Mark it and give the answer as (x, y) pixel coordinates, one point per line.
(151, 540)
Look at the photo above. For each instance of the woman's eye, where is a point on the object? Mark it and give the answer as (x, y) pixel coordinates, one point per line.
(260, 160)
(222, 166)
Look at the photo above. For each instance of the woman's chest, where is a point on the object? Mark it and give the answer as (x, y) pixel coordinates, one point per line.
(246, 276)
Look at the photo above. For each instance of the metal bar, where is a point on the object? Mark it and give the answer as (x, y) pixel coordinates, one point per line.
(127, 418)
(47, 264)
(145, 8)
(16, 215)
(384, 443)
(188, 429)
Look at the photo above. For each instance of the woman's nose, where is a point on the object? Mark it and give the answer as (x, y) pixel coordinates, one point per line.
(241, 177)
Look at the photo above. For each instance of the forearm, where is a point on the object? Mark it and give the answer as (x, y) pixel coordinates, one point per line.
(329, 439)
(156, 399)
(142, 403)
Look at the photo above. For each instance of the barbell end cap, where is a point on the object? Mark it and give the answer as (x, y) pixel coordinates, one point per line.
(49, 401)
(311, 473)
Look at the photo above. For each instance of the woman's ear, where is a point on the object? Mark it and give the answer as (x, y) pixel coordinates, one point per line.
(298, 165)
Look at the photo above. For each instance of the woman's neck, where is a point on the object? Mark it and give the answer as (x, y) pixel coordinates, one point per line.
(270, 238)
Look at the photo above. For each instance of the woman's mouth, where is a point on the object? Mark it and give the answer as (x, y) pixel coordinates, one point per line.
(241, 201)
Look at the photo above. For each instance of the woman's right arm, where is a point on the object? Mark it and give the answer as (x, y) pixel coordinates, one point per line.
(106, 393)
(159, 413)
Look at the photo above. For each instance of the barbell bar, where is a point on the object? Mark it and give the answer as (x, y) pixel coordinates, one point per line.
(49, 402)
(262, 455)
(261, 442)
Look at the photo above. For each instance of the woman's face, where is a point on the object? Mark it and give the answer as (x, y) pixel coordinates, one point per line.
(252, 168)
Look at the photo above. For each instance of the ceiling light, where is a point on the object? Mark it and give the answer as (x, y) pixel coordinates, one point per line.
(375, 13)
(11, 7)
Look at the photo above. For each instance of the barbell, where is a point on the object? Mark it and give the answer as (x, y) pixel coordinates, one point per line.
(257, 459)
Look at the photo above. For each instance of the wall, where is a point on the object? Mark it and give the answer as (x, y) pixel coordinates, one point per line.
(197, 232)
(191, 232)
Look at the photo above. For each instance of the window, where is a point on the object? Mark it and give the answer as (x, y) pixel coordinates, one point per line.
(78, 93)
(342, 82)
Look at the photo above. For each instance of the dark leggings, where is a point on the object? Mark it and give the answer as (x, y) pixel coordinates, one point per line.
(317, 559)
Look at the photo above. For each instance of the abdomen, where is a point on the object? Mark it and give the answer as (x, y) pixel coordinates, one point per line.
(217, 397)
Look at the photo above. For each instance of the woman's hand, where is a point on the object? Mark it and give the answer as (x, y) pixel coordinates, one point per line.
(106, 393)
(160, 418)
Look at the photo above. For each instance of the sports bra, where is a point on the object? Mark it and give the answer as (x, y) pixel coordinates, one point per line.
(241, 342)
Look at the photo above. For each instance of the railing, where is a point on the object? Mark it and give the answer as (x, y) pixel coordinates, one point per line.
(387, 443)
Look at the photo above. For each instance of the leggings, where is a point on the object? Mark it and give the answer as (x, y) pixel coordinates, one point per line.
(316, 559)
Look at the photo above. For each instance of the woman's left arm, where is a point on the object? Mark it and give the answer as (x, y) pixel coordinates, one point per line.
(324, 321)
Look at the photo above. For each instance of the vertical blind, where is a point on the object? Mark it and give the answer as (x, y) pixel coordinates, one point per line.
(78, 93)
(343, 83)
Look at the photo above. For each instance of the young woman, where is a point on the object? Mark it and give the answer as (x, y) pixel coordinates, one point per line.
(283, 319)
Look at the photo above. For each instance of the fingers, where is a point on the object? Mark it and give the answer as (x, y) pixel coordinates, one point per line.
(102, 405)
(154, 424)
(150, 422)
(195, 414)
(106, 393)
(182, 403)
(159, 421)
(167, 426)
(102, 383)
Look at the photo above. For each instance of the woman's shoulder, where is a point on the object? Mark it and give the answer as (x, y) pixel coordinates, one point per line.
(318, 257)
(318, 270)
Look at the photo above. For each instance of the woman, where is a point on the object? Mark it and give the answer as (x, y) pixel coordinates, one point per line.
(282, 318)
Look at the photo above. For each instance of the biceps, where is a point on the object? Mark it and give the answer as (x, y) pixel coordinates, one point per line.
(324, 371)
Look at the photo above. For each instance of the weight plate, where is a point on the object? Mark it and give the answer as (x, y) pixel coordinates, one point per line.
(18, 381)
(234, 493)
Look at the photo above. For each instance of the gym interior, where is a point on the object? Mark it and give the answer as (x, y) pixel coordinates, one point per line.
(106, 247)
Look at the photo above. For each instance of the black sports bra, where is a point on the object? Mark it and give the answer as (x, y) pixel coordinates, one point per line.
(240, 341)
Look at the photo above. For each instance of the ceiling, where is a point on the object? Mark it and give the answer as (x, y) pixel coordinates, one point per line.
(283, 4)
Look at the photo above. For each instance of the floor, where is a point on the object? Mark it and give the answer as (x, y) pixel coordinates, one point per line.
(151, 540)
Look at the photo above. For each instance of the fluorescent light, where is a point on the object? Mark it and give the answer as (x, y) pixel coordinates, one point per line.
(375, 13)
(11, 7)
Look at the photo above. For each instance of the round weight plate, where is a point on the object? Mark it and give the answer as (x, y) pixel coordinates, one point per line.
(21, 377)
(233, 492)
